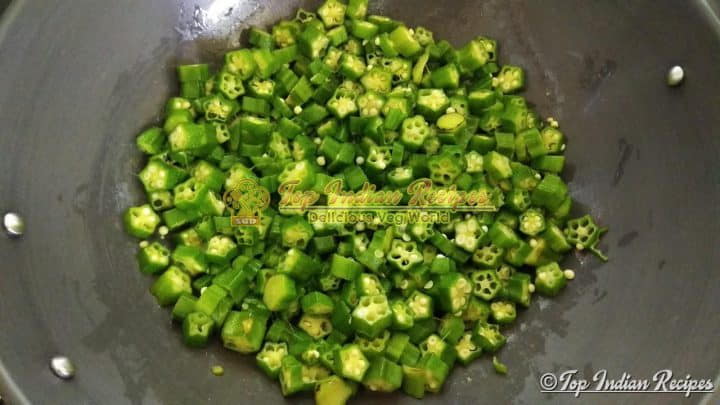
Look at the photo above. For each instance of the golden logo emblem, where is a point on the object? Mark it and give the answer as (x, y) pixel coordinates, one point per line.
(246, 202)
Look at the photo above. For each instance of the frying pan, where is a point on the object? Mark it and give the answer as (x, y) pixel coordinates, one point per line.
(78, 80)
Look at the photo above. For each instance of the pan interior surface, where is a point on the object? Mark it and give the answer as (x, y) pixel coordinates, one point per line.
(80, 79)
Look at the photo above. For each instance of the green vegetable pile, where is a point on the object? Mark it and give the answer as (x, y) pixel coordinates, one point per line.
(340, 94)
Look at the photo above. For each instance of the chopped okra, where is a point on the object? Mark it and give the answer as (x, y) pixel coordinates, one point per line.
(342, 101)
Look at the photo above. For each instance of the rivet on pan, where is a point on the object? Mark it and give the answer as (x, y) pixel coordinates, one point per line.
(62, 367)
(14, 224)
(675, 76)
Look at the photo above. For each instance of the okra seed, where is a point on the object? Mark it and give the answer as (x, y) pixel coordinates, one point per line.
(62, 367)
(675, 76)
(14, 224)
(569, 274)
(218, 371)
